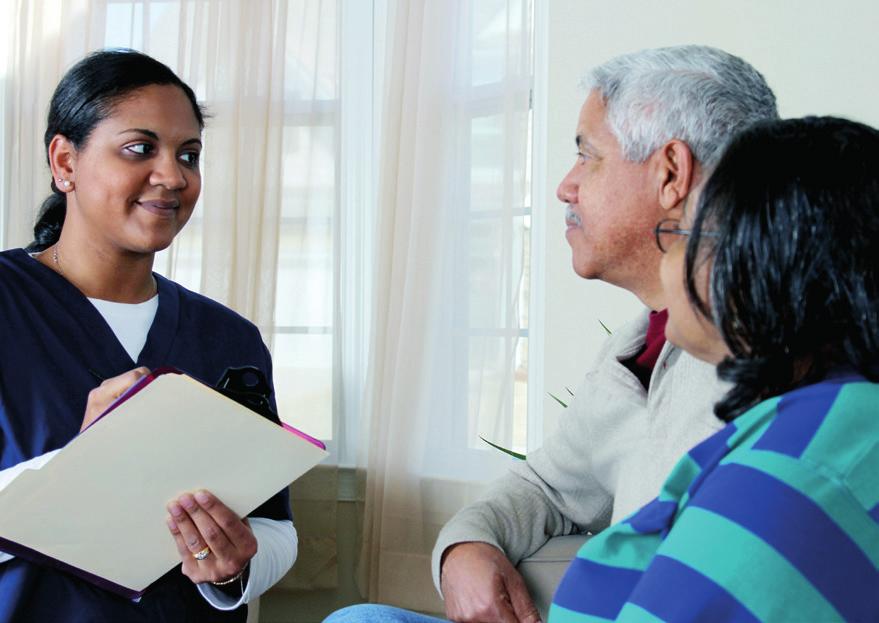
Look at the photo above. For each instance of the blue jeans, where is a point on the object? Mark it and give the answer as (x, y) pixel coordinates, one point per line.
(374, 613)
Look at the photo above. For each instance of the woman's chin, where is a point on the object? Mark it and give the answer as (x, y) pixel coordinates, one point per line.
(701, 347)
(150, 245)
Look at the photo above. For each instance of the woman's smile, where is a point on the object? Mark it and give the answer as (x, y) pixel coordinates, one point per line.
(160, 207)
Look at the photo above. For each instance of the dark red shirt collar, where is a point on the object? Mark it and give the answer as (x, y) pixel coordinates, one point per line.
(643, 363)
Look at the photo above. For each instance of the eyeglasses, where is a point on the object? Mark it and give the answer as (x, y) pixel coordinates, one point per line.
(665, 231)
(667, 228)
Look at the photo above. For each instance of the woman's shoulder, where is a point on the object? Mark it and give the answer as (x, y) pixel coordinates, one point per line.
(819, 421)
(845, 441)
(19, 272)
(204, 311)
(829, 431)
(11, 262)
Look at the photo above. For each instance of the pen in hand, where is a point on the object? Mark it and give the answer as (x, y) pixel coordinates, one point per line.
(107, 392)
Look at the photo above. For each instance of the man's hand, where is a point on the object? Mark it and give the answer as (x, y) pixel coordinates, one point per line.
(480, 585)
(107, 392)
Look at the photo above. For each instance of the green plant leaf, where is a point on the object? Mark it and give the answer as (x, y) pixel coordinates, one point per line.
(558, 400)
(515, 455)
(604, 326)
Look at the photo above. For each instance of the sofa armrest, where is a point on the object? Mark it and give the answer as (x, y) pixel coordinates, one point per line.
(543, 570)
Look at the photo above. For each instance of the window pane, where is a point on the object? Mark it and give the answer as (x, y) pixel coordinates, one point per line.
(309, 172)
(496, 44)
(303, 373)
(304, 314)
(311, 70)
(160, 35)
(498, 255)
(498, 390)
(306, 280)
(306, 261)
(498, 176)
(182, 260)
(486, 163)
(498, 295)
(304, 296)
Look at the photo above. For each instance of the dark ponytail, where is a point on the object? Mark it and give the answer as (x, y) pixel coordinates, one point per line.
(85, 97)
(47, 229)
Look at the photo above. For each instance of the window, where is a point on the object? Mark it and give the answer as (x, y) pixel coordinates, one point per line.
(302, 336)
(322, 302)
(306, 297)
(496, 233)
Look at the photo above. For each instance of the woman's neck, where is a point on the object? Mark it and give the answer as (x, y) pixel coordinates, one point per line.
(122, 277)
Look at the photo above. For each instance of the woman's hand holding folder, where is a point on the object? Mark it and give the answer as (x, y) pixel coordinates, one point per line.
(213, 542)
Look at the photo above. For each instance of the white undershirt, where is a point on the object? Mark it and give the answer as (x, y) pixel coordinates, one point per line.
(277, 541)
(130, 322)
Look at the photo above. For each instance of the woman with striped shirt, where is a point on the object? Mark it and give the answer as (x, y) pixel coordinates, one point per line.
(773, 277)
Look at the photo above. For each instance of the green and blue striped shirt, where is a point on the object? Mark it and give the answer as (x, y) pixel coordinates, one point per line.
(775, 517)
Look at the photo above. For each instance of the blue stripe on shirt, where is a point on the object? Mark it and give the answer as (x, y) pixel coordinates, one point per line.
(712, 449)
(874, 513)
(832, 562)
(602, 587)
(701, 599)
(654, 517)
(800, 415)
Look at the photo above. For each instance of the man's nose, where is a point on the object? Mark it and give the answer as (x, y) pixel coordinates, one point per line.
(568, 188)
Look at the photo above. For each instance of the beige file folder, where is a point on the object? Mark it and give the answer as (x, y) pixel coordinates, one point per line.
(98, 507)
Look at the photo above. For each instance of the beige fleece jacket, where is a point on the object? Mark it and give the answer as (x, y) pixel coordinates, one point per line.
(614, 446)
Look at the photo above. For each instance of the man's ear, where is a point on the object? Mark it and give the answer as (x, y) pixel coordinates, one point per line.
(675, 168)
(62, 160)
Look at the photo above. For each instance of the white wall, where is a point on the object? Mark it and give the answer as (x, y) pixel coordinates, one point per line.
(819, 57)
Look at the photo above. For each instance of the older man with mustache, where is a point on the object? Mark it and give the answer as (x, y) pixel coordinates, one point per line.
(651, 124)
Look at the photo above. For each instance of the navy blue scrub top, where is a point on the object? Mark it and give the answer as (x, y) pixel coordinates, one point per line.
(54, 348)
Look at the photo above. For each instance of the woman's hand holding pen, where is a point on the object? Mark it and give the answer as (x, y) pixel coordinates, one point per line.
(214, 544)
(107, 392)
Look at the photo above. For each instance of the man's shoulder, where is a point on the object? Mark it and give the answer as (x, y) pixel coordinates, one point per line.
(683, 391)
(627, 339)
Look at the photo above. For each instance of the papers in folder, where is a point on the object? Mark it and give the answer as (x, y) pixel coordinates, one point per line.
(97, 508)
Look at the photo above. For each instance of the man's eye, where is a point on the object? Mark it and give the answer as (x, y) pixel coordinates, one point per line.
(581, 157)
(141, 149)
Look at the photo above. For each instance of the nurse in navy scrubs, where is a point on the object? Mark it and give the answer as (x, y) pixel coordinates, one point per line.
(82, 305)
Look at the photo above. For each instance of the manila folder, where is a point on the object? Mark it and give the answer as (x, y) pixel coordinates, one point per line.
(98, 507)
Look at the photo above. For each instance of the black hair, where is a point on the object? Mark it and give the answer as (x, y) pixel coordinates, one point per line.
(85, 97)
(793, 211)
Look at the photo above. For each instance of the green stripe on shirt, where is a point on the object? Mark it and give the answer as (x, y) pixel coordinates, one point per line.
(724, 552)
(824, 489)
(560, 614)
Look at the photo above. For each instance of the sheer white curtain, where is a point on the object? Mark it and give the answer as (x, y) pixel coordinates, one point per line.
(42, 40)
(449, 328)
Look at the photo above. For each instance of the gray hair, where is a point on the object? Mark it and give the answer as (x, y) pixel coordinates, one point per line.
(697, 94)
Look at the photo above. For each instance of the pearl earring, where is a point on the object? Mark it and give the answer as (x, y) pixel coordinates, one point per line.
(64, 183)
